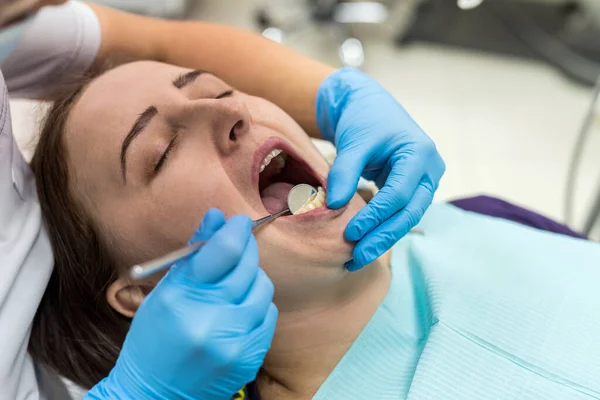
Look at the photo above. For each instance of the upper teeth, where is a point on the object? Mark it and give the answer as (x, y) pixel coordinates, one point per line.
(267, 160)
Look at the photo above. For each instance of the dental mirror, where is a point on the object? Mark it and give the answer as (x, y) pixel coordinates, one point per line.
(299, 196)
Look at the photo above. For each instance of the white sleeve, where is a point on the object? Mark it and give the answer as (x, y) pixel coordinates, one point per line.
(61, 43)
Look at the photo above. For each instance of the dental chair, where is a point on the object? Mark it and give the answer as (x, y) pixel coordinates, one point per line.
(586, 145)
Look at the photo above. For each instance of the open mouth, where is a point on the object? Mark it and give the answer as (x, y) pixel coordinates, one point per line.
(279, 170)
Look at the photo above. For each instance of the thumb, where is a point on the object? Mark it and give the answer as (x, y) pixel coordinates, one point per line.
(212, 221)
(343, 178)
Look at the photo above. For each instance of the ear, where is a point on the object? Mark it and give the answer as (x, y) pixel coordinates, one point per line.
(125, 297)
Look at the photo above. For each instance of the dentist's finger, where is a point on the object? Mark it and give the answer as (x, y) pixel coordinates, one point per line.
(234, 287)
(220, 254)
(212, 221)
(437, 171)
(382, 238)
(259, 299)
(400, 187)
(258, 342)
(342, 181)
(251, 313)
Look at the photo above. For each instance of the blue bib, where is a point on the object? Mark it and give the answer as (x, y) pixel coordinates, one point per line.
(480, 308)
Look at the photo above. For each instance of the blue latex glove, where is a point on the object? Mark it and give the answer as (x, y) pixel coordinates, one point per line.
(376, 138)
(203, 332)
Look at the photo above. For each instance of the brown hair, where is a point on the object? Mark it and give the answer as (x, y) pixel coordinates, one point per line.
(75, 331)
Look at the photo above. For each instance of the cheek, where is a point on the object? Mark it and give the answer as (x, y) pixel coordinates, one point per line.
(167, 218)
(181, 205)
(162, 220)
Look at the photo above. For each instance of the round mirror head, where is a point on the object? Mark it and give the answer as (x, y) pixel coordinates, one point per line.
(468, 4)
(299, 196)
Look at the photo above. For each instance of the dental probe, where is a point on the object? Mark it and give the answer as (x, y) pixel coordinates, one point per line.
(144, 270)
(297, 197)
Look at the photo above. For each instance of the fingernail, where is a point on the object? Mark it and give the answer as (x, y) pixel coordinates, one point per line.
(333, 201)
(353, 233)
(352, 266)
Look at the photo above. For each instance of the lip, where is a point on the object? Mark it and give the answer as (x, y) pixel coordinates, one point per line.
(273, 143)
(322, 213)
(277, 143)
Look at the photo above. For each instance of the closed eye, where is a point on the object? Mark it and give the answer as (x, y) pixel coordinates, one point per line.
(228, 93)
(165, 156)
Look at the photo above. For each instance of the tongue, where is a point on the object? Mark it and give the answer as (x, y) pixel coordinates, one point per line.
(274, 196)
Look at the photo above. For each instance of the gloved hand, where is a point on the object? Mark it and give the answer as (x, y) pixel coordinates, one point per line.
(204, 330)
(376, 138)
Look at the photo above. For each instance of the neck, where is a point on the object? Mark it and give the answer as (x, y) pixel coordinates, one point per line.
(310, 342)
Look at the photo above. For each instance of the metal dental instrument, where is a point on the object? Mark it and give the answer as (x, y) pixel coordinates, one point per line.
(297, 197)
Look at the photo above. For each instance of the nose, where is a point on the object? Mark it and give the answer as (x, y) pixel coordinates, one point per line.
(230, 123)
(227, 121)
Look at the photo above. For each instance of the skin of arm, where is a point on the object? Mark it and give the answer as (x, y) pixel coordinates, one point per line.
(248, 61)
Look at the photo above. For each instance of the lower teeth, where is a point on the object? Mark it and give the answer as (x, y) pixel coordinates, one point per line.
(316, 201)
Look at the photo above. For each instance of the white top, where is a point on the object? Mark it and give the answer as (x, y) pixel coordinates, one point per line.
(62, 41)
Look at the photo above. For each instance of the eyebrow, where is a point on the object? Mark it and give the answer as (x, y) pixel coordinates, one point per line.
(187, 78)
(139, 125)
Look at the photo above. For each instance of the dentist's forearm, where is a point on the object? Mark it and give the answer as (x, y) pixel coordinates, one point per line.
(244, 59)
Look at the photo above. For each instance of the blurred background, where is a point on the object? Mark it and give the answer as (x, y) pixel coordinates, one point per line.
(506, 88)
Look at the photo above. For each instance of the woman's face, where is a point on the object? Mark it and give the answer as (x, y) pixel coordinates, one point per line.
(152, 147)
